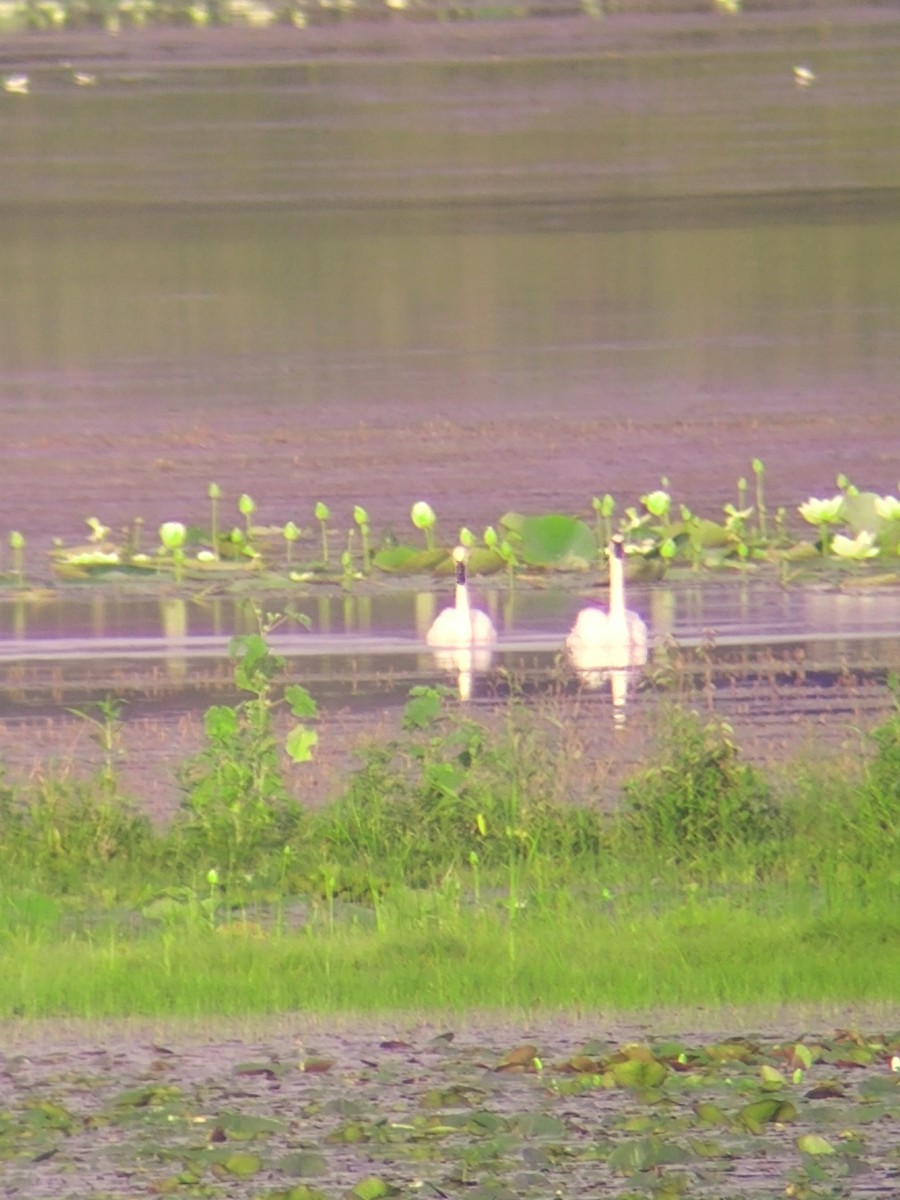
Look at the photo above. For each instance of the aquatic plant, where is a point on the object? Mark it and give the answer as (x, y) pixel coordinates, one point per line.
(361, 517)
(858, 548)
(173, 535)
(214, 492)
(17, 546)
(423, 517)
(291, 534)
(247, 509)
(759, 472)
(323, 515)
(823, 514)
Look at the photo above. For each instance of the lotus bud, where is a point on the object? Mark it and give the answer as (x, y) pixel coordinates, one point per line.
(323, 512)
(172, 534)
(490, 538)
(422, 515)
(466, 537)
(657, 503)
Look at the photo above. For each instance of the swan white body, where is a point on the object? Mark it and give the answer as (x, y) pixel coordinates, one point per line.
(462, 637)
(609, 643)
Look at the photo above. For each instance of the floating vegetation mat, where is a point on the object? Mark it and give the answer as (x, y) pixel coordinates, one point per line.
(442, 1114)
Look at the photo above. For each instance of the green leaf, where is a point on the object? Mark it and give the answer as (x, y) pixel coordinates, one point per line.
(552, 540)
(771, 1110)
(242, 1166)
(372, 1188)
(299, 743)
(772, 1079)
(303, 1163)
(639, 1073)
(812, 1143)
(301, 702)
(422, 708)
(407, 560)
(220, 723)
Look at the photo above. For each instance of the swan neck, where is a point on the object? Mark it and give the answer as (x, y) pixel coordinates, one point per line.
(462, 591)
(616, 588)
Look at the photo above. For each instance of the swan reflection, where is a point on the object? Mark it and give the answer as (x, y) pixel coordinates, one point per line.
(462, 637)
(610, 646)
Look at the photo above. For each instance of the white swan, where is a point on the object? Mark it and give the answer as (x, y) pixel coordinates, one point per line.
(609, 644)
(462, 637)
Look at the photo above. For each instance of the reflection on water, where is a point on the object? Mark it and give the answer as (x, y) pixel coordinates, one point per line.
(366, 649)
(207, 257)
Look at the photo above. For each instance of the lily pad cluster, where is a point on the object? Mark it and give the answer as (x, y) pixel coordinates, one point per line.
(850, 529)
(357, 1118)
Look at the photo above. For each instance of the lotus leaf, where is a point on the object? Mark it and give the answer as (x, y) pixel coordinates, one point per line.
(372, 1188)
(409, 560)
(638, 1073)
(302, 1163)
(812, 1143)
(553, 540)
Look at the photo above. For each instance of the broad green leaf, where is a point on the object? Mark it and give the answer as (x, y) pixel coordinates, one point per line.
(772, 1079)
(247, 1125)
(220, 722)
(637, 1073)
(302, 1163)
(299, 743)
(372, 1188)
(771, 1110)
(554, 540)
(302, 704)
(407, 560)
(812, 1143)
(242, 1166)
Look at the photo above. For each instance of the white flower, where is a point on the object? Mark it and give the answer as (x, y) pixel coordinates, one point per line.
(888, 508)
(857, 548)
(821, 512)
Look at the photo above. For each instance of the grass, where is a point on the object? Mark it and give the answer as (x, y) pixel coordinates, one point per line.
(462, 867)
(767, 948)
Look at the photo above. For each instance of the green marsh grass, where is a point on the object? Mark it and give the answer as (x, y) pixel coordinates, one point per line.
(466, 865)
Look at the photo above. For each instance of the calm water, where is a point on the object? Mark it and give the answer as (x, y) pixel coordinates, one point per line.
(506, 281)
(664, 232)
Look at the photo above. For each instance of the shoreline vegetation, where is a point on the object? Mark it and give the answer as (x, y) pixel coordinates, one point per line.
(115, 17)
(466, 862)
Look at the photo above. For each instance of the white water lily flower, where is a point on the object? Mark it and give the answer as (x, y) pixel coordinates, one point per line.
(888, 508)
(860, 547)
(821, 512)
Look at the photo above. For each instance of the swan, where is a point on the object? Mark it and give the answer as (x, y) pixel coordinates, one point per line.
(462, 637)
(608, 644)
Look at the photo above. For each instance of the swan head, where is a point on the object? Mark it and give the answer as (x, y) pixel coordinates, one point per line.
(617, 547)
(460, 554)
